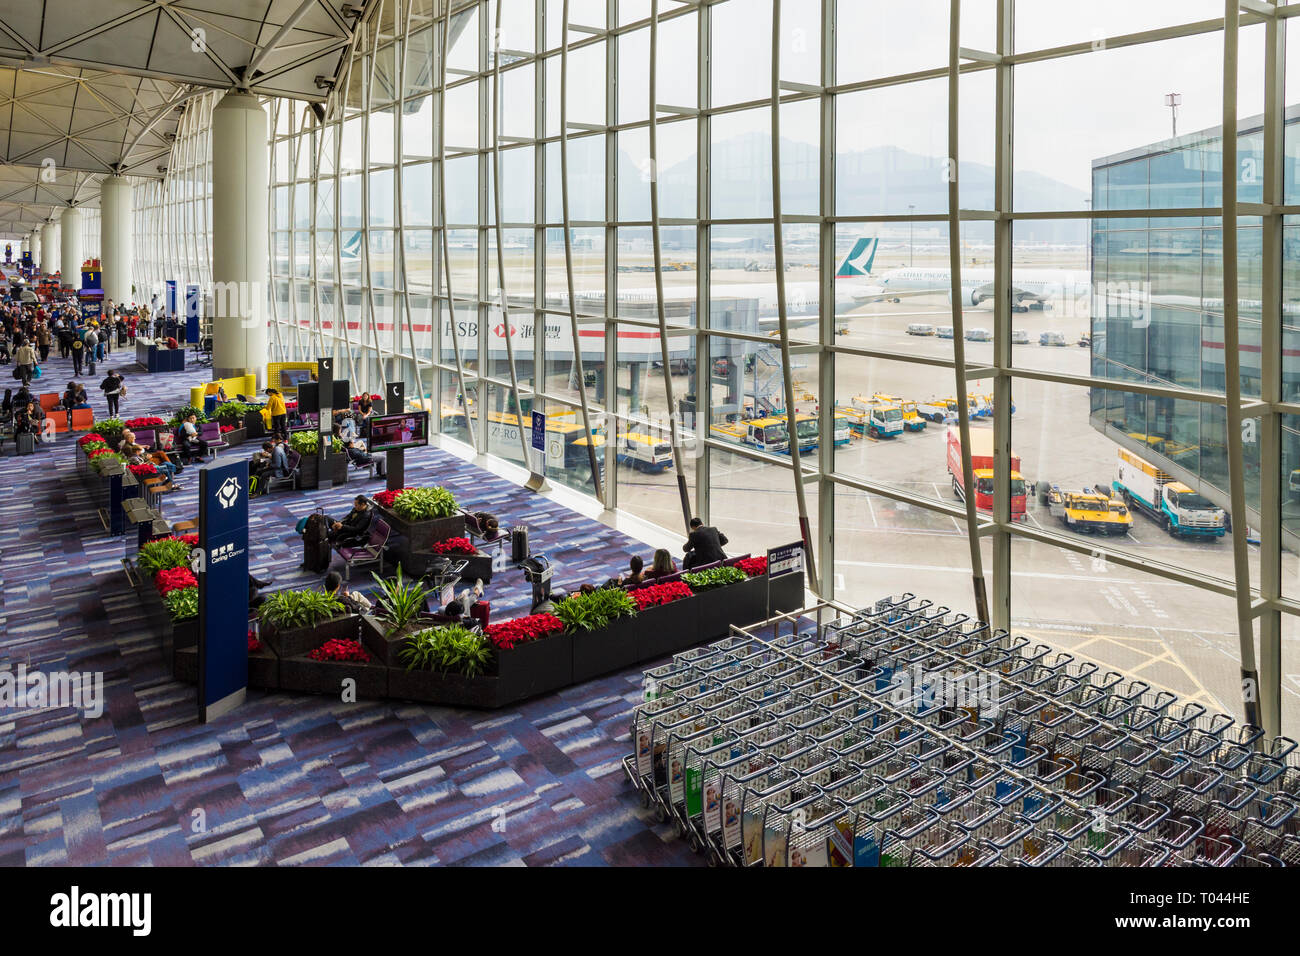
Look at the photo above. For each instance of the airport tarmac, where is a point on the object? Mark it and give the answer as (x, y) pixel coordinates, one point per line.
(1174, 637)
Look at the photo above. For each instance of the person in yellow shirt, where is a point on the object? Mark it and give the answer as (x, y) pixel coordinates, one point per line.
(279, 414)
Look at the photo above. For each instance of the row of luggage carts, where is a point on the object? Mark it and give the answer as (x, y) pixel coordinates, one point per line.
(910, 735)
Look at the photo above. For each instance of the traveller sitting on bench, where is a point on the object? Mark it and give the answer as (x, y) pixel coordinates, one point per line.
(704, 546)
(354, 529)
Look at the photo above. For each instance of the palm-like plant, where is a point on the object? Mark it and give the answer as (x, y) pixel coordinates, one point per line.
(400, 601)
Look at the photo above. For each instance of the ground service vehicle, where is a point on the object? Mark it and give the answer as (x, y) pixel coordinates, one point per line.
(920, 328)
(937, 410)
(912, 420)
(979, 335)
(944, 331)
(981, 459)
(565, 440)
(1051, 338)
(1089, 512)
(876, 419)
(644, 452)
(764, 434)
(1174, 506)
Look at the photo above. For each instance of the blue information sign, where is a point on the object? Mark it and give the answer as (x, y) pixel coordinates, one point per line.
(223, 587)
(539, 431)
(193, 312)
(786, 559)
(170, 304)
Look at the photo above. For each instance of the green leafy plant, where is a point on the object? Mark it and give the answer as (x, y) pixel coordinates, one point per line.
(401, 600)
(424, 504)
(714, 578)
(92, 446)
(182, 603)
(594, 611)
(163, 555)
(307, 441)
(290, 609)
(110, 428)
(230, 413)
(450, 648)
(182, 413)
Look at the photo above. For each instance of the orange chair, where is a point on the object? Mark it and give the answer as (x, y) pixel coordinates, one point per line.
(48, 401)
(82, 419)
(60, 420)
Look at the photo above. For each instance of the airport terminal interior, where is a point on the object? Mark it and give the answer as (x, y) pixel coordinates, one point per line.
(655, 432)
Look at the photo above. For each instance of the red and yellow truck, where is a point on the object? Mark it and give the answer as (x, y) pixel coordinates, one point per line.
(981, 459)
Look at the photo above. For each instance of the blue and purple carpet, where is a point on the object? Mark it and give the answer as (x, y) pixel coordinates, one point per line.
(289, 778)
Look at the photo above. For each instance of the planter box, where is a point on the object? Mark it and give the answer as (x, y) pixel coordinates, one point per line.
(418, 536)
(535, 667)
(326, 677)
(263, 667)
(613, 649)
(670, 627)
(385, 648)
(450, 689)
(741, 603)
(477, 565)
(309, 470)
(254, 427)
(787, 592)
(299, 640)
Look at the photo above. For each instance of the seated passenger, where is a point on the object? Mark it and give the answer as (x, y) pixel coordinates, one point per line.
(354, 529)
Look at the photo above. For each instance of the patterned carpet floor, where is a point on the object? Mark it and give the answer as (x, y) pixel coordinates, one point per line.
(287, 778)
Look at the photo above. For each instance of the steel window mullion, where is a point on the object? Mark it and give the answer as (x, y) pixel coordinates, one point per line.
(1002, 321)
(597, 483)
(826, 488)
(1271, 373)
(537, 479)
(958, 320)
(1232, 370)
(783, 324)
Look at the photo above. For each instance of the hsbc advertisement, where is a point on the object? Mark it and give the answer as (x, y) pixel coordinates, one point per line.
(633, 342)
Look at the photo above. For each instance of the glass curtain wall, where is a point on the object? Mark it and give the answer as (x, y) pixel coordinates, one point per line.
(172, 216)
(697, 234)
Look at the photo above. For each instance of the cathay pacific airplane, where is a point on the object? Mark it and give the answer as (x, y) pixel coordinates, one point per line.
(803, 299)
(1029, 286)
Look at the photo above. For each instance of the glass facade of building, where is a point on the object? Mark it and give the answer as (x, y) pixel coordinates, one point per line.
(511, 211)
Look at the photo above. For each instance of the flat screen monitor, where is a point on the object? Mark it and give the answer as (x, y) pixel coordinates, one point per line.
(342, 399)
(406, 430)
(293, 377)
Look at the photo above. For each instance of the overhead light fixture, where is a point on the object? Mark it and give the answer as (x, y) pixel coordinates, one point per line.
(350, 11)
(324, 83)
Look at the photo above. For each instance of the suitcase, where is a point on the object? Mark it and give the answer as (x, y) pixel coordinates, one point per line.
(518, 544)
(25, 443)
(482, 613)
(315, 544)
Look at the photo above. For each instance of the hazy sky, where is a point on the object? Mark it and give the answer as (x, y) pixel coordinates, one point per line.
(1068, 111)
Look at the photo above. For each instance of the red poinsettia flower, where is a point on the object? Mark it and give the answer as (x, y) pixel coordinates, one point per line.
(227, 428)
(144, 470)
(657, 594)
(455, 546)
(385, 499)
(172, 579)
(97, 452)
(754, 567)
(344, 651)
(90, 437)
(254, 645)
(507, 634)
(144, 421)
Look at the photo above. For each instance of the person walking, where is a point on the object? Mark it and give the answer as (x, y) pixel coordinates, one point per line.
(77, 349)
(91, 342)
(43, 340)
(112, 389)
(25, 360)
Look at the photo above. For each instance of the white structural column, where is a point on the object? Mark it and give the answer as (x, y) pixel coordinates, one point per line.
(115, 238)
(239, 242)
(34, 243)
(48, 243)
(70, 246)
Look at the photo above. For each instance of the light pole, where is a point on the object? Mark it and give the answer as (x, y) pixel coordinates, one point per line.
(911, 224)
(1173, 101)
